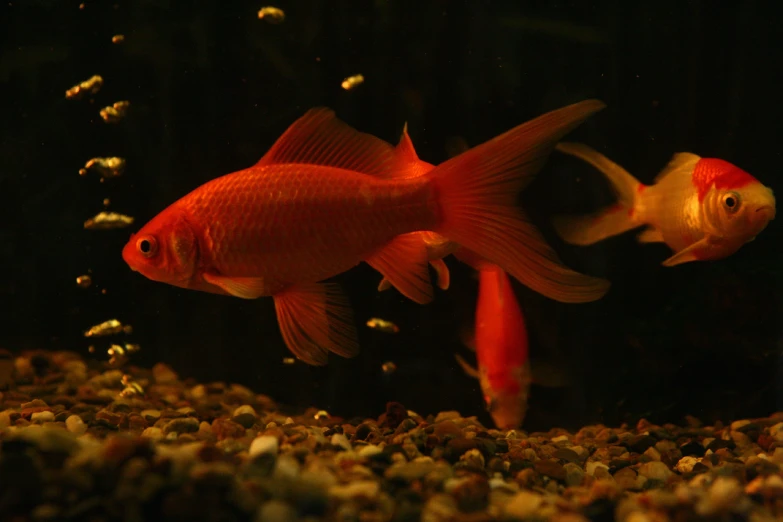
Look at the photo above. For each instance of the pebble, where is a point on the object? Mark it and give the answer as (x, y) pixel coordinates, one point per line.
(78, 450)
(655, 470)
(75, 424)
(263, 444)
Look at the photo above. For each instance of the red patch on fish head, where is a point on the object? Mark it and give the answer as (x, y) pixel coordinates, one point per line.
(164, 250)
(721, 174)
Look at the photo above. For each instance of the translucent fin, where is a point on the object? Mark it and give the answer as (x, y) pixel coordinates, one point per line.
(591, 228)
(244, 287)
(467, 368)
(477, 196)
(316, 319)
(624, 185)
(698, 251)
(320, 138)
(650, 235)
(404, 263)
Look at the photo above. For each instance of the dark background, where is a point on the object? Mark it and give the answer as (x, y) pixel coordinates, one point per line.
(211, 87)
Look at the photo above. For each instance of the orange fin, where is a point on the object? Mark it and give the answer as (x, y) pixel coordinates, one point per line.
(470, 258)
(316, 319)
(403, 261)
(320, 138)
(405, 147)
(244, 287)
(442, 271)
(407, 162)
(477, 192)
(467, 368)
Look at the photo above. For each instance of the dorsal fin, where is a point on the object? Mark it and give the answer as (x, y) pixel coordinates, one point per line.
(681, 161)
(405, 148)
(320, 138)
(407, 162)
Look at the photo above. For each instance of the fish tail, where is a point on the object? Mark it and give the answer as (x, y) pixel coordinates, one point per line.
(477, 193)
(609, 221)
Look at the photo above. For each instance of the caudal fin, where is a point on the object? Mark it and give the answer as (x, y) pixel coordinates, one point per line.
(609, 221)
(477, 193)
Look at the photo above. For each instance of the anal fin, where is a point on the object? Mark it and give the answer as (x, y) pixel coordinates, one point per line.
(403, 262)
(316, 319)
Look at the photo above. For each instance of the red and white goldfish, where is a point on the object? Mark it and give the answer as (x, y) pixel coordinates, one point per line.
(327, 197)
(702, 208)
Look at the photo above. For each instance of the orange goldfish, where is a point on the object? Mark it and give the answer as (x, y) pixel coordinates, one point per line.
(501, 345)
(326, 197)
(702, 208)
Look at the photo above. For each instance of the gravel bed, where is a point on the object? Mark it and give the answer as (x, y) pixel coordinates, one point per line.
(79, 441)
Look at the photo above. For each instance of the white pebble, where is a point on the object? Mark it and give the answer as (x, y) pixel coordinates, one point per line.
(338, 439)
(42, 416)
(777, 431)
(655, 470)
(591, 467)
(153, 433)
(369, 451)
(685, 464)
(263, 444)
(75, 424)
(724, 495)
(524, 504)
(276, 511)
(245, 408)
(365, 488)
(738, 424)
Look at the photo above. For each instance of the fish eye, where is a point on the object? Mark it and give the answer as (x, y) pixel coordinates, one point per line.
(147, 246)
(731, 200)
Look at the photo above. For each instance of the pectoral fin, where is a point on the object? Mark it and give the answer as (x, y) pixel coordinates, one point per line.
(468, 369)
(698, 251)
(316, 319)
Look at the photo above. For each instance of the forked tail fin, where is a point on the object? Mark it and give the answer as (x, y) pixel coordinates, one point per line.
(609, 221)
(477, 193)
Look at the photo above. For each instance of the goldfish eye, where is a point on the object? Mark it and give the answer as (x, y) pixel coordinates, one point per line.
(731, 201)
(147, 246)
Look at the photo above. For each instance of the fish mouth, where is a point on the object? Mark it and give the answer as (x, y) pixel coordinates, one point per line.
(767, 209)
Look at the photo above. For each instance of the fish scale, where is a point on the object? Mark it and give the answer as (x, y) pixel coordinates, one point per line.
(321, 236)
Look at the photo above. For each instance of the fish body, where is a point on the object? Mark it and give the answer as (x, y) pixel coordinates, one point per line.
(327, 197)
(501, 345)
(702, 208)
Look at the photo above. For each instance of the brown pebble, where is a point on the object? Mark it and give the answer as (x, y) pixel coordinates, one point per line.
(551, 468)
(472, 495)
(567, 455)
(110, 419)
(227, 429)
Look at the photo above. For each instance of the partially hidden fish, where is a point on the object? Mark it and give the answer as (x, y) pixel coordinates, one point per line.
(327, 197)
(501, 345)
(702, 208)
(499, 338)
